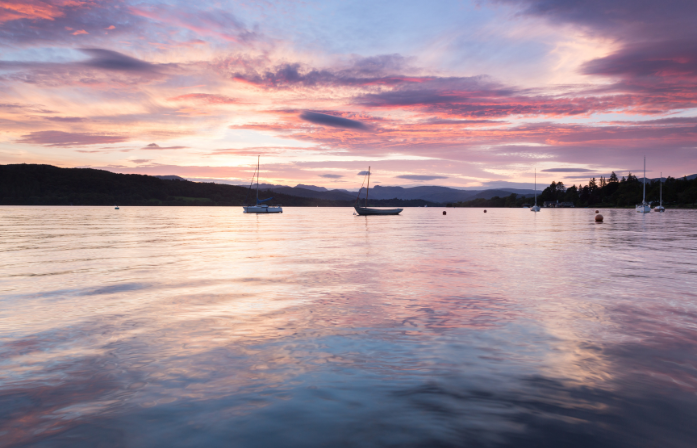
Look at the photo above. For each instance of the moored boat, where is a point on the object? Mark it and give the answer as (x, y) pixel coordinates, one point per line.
(644, 206)
(535, 208)
(377, 211)
(660, 207)
(260, 207)
(365, 211)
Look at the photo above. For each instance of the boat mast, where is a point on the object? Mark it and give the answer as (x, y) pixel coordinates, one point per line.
(258, 180)
(644, 198)
(535, 186)
(660, 189)
(367, 189)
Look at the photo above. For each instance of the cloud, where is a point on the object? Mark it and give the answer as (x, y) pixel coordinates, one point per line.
(333, 121)
(113, 60)
(32, 9)
(362, 173)
(420, 177)
(331, 176)
(567, 170)
(204, 98)
(60, 138)
(208, 22)
(363, 72)
(65, 119)
(156, 147)
(140, 161)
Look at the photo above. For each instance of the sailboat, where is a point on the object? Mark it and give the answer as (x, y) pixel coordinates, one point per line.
(643, 207)
(373, 211)
(660, 207)
(535, 208)
(260, 207)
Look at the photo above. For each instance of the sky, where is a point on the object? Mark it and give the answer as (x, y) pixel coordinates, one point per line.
(467, 94)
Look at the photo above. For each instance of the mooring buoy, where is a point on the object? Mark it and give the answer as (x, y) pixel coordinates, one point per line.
(598, 218)
(444, 212)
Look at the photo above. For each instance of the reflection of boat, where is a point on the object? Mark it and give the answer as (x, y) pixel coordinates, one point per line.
(535, 208)
(260, 207)
(660, 208)
(373, 211)
(643, 207)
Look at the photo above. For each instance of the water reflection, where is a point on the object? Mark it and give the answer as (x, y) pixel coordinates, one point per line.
(202, 326)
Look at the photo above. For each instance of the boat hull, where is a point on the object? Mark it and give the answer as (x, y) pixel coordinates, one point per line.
(643, 209)
(659, 209)
(364, 211)
(262, 209)
(535, 208)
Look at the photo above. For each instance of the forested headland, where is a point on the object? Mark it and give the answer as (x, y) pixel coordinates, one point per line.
(27, 184)
(611, 192)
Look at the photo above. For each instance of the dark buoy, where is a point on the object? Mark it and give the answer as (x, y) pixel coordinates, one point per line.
(444, 212)
(484, 211)
(598, 218)
(597, 211)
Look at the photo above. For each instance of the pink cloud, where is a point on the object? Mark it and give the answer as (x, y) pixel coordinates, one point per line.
(60, 138)
(35, 9)
(204, 98)
(156, 147)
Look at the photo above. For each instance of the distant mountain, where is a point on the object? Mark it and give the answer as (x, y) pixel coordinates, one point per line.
(641, 179)
(488, 194)
(333, 195)
(170, 177)
(310, 187)
(441, 195)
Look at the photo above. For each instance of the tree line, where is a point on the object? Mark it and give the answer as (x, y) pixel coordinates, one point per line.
(610, 192)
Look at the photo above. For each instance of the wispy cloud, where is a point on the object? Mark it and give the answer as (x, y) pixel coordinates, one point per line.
(60, 138)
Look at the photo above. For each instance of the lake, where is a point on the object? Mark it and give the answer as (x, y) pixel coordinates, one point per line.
(197, 326)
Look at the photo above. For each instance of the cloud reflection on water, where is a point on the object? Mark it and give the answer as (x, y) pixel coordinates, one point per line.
(418, 332)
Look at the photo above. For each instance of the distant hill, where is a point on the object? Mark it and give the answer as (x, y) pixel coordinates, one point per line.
(27, 184)
(170, 177)
(441, 195)
(333, 195)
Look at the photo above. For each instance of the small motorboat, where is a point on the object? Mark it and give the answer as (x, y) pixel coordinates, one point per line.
(117, 208)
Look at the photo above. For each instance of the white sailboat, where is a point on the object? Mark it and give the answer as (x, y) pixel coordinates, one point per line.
(660, 207)
(644, 207)
(260, 207)
(535, 208)
(373, 211)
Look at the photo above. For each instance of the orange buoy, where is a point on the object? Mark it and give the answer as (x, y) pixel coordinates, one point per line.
(598, 218)
(444, 212)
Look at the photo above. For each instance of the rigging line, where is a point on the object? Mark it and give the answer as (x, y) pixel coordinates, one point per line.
(359, 190)
(250, 186)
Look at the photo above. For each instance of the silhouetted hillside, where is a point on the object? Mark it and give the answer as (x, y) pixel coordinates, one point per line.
(49, 185)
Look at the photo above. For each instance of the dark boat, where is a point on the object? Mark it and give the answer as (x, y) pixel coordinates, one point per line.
(364, 211)
(377, 211)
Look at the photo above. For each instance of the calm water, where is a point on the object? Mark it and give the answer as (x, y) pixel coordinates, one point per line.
(169, 327)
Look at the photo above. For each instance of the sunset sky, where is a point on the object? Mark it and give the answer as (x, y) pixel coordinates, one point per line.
(456, 93)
